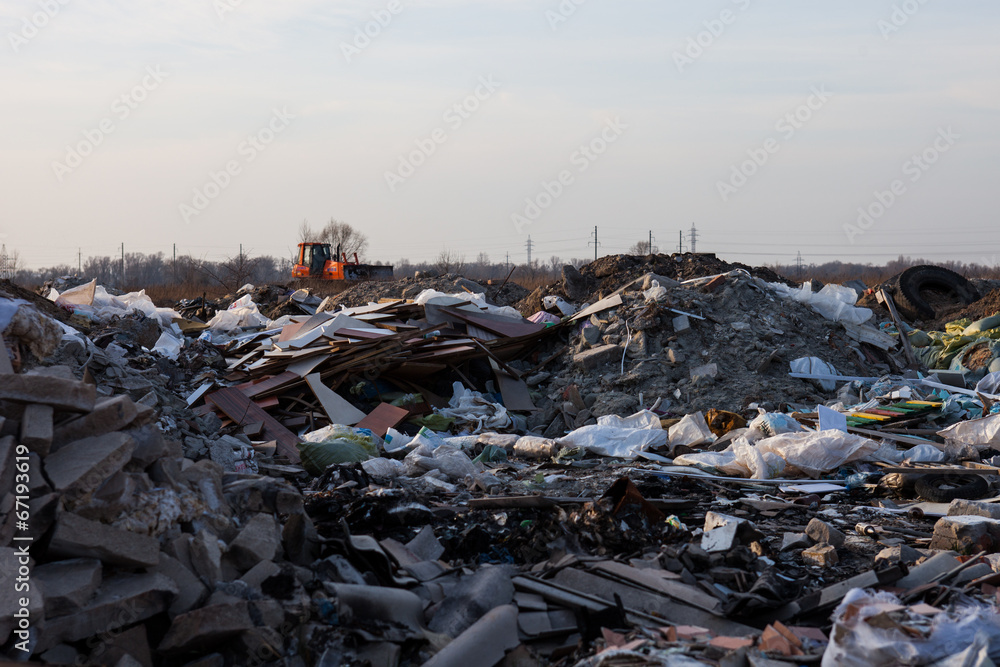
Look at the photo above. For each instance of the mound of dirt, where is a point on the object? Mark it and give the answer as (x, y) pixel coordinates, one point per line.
(408, 288)
(610, 273)
(12, 291)
(988, 305)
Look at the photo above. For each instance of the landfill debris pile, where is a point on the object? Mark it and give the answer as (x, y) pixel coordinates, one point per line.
(700, 466)
(501, 293)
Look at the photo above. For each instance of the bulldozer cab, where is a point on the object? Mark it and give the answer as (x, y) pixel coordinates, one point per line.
(314, 256)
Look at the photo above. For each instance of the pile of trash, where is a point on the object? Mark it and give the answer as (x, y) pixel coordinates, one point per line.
(503, 293)
(654, 468)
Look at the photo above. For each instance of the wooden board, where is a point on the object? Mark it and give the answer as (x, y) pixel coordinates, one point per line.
(337, 408)
(234, 404)
(382, 418)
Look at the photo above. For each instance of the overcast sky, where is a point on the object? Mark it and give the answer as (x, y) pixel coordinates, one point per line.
(767, 123)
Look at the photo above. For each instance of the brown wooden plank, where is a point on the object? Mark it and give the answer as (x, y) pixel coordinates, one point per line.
(277, 382)
(497, 324)
(235, 405)
(382, 418)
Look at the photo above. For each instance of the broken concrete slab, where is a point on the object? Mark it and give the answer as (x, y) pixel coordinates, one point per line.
(898, 554)
(75, 536)
(121, 601)
(36, 428)
(823, 555)
(822, 532)
(966, 534)
(82, 466)
(61, 394)
(927, 571)
(795, 541)
(191, 590)
(109, 414)
(594, 358)
(68, 584)
(963, 507)
(259, 540)
(206, 558)
(202, 628)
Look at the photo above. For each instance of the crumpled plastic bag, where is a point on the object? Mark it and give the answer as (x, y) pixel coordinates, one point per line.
(242, 313)
(767, 424)
(740, 459)
(476, 298)
(563, 306)
(168, 346)
(834, 302)
(449, 459)
(981, 433)
(92, 301)
(816, 453)
(990, 384)
(854, 642)
(620, 437)
(655, 292)
(816, 366)
(692, 430)
(470, 408)
(924, 454)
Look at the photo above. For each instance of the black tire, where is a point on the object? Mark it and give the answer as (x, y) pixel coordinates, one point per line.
(913, 287)
(944, 488)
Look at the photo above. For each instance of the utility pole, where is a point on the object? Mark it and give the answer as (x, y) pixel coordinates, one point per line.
(799, 264)
(680, 241)
(595, 242)
(528, 246)
(175, 263)
(650, 247)
(508, 262)
(79, 261)
(694, 238)
(122, 285)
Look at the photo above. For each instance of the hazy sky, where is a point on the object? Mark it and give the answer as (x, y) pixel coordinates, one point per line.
(768, 123)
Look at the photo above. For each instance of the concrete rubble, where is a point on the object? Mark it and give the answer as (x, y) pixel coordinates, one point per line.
(437, 471)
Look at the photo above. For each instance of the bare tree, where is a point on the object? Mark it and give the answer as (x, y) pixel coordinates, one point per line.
(449, 261)
(350, 240)
(306, 234)
(232, 273)
(640, 248)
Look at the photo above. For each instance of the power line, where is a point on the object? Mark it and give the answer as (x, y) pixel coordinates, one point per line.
(694, 238)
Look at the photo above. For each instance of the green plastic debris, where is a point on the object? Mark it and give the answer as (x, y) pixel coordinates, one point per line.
(491, 454)
(317, 456)
(434, 422)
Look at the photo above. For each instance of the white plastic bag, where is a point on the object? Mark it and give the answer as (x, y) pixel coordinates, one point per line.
(620, 437)
(168, 346)
(655, 292)
(472, 409)
(981, 433)
(692, 430)
(818, 453)
(816, 366)
(834, 302)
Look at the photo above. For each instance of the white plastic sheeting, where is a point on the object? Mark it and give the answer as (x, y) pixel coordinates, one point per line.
(472, 409)
(812, 453)
(242, 313)
(429, 296)
(834, 302)
(980, 433)
(620, 437)
(692, 430)
(93, 301)
(816, 366)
